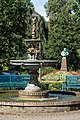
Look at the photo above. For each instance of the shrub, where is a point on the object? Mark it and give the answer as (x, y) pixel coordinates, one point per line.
(46, 70)
(51, 85)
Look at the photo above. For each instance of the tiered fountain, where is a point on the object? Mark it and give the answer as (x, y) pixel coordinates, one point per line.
(33, 64)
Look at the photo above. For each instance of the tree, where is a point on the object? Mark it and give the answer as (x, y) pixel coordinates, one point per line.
(64, 24)
(15, 19)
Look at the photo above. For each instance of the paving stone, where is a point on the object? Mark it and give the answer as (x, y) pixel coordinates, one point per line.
(70, 115)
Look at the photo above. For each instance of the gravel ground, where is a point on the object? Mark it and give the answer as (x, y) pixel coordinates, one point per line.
(71, 115)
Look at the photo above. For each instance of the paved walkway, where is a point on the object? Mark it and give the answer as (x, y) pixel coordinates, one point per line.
(71, 115)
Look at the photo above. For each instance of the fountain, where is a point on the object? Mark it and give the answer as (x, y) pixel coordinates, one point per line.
(32, 98)
(33, 64)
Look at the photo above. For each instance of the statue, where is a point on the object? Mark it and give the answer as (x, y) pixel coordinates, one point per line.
(64, 53)
(33, 52)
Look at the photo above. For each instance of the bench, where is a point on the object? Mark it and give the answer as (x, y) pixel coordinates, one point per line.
(71, 82)
(14, 81)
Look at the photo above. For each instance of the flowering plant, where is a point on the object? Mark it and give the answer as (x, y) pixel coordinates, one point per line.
(57, 76)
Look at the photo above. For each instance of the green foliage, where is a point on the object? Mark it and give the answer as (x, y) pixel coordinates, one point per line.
(15, 26)
(64, 24)
(15, 18)
(46, 70)
(51, 85)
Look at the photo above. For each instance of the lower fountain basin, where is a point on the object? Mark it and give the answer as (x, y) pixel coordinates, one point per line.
(58, 101)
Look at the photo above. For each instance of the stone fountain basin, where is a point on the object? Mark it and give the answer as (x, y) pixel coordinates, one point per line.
(10, 104)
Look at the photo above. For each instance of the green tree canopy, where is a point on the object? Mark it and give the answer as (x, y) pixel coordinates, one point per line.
(64, 30)
(15, 20)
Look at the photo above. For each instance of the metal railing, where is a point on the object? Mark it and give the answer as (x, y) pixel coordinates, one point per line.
(14, 81)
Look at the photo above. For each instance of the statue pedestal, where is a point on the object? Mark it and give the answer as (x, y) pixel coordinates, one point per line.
(64, 64)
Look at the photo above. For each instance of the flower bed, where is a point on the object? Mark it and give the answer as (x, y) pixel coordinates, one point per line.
(57, 76)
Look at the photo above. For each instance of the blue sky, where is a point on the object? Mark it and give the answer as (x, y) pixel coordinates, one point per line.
(39, 7)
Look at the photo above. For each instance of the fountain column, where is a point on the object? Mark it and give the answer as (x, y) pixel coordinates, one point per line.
(33, 51)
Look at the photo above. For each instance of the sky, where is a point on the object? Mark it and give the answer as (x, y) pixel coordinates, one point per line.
(39, 7)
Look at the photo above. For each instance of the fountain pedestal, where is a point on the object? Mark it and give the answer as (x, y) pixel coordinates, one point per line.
(32, 91)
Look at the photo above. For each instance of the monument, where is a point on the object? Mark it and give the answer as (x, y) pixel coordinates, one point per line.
(64, 54)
